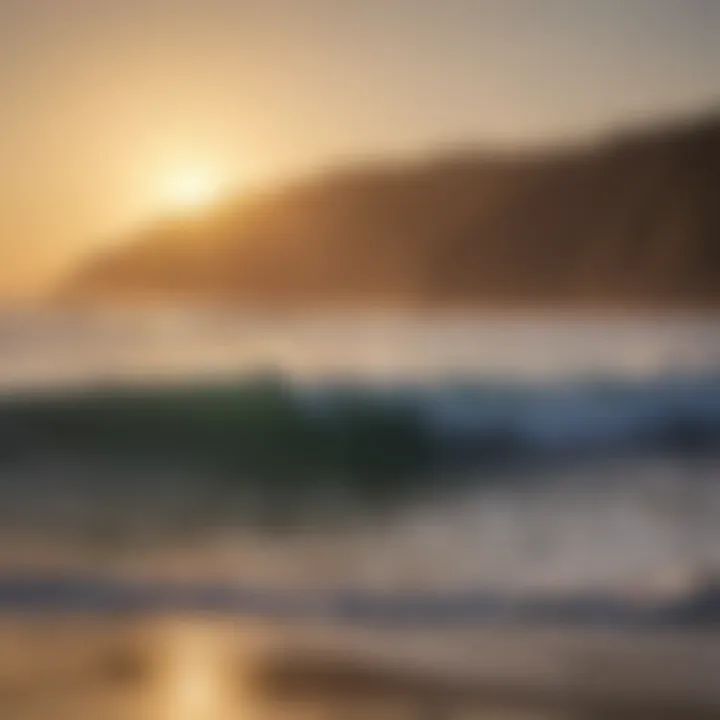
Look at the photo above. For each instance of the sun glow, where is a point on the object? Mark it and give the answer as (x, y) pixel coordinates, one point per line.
(191, 188)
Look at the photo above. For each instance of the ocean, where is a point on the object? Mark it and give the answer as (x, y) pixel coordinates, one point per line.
(380, 473)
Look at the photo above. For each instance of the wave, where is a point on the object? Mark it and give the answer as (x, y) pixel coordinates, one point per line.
(270, 426)
(699, 606)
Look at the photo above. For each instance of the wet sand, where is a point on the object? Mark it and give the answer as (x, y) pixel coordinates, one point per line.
(216, 668)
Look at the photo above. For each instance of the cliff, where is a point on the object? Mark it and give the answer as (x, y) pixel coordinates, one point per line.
(630, 221)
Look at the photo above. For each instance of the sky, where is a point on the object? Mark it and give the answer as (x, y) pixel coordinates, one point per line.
(109, 104)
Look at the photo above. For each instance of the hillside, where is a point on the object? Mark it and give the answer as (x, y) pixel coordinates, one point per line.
(632, 221)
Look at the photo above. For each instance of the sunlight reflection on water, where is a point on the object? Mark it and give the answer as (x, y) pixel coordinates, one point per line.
(202, 670)
(191, 685)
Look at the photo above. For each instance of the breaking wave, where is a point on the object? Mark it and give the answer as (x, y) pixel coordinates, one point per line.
(270, 426)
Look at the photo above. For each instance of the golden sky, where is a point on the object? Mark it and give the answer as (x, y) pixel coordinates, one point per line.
(114, 110)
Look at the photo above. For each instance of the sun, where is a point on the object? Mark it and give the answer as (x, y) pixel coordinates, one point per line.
(191, 188)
